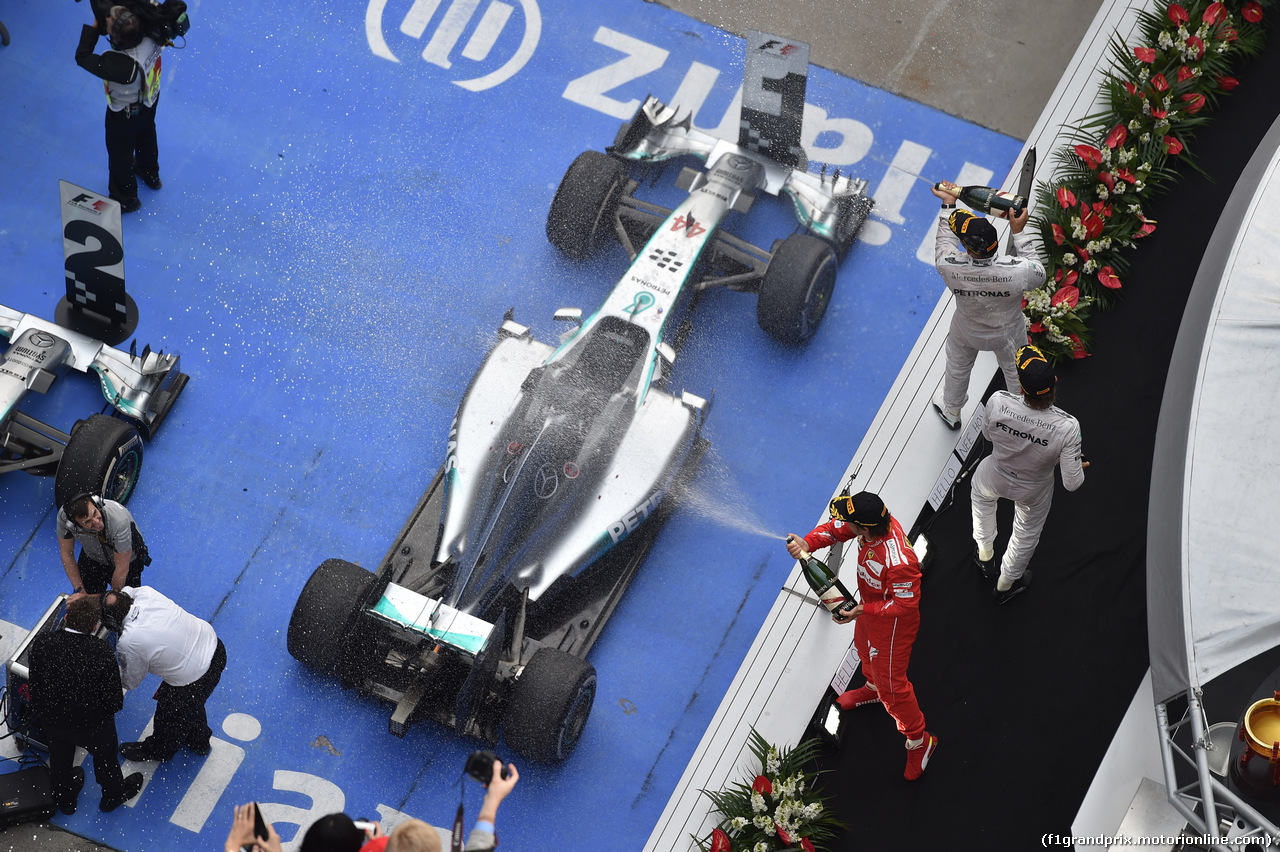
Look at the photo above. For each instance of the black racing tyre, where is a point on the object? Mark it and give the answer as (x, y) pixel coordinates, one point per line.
(796, 289)
(581, 214)
(550, 705)
(103, 457)
(324, 615)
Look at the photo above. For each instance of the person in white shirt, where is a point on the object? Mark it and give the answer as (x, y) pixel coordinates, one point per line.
(988, 291)
(159, 637)
(1030, 436)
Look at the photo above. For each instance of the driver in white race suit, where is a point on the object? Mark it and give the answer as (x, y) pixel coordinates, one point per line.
(1030, 436)
(988, 292)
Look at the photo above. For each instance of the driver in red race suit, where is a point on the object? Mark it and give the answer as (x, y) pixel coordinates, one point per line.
(887, 615)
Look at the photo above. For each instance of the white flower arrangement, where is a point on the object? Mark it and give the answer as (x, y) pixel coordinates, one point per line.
(770, 814)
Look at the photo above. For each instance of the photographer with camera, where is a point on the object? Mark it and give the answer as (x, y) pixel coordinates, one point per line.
(130, 72)
(500, 783)
(249, 831)
(336, 833)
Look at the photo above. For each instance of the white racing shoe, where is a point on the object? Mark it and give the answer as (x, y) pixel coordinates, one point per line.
(950, 416)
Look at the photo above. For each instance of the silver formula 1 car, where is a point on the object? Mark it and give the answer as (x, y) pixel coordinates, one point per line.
(563, 459)
(102, 454)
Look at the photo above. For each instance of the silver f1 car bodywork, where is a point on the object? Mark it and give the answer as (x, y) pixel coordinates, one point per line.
(106, 457)
(561, 458)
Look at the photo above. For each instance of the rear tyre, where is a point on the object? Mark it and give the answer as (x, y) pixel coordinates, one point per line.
(581, 214)
(550, 706)
(796, 289)
(103, 457)
(323, 617)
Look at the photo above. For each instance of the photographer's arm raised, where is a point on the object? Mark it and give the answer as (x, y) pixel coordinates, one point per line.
(497, 790)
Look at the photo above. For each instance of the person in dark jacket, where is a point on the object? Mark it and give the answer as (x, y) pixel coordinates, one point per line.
(76, 693)
(130, 73)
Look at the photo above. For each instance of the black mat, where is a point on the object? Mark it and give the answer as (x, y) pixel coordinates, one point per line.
(1025, 698)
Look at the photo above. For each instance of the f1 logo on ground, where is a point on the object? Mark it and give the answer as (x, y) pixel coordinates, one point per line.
(455, 19)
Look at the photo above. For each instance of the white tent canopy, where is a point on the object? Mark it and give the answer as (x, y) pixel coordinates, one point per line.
(1213, 572)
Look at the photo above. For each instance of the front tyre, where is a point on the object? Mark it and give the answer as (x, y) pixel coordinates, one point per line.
(796, 289)
(581, 214)
(103, 457)
(550, 705)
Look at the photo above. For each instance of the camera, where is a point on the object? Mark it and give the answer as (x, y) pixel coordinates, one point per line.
(480, 766)
(162, 22)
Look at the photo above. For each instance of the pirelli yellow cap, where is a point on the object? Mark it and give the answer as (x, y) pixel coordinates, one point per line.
(864, 509)
(975, 232)
(1035, 374)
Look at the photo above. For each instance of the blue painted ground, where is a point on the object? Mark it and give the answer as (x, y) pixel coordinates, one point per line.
(337, 239)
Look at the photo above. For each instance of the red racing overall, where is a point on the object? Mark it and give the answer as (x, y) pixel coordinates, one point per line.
(889, 590)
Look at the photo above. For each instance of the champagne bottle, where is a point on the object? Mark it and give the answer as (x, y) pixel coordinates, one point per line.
(984, 199)
(826, 586)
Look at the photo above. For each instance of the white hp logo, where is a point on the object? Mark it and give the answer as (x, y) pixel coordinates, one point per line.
(456, 19)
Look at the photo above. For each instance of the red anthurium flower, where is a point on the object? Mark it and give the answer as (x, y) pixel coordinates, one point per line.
(782, 834)
(1172, 145)
(1195, 102)
(1230, 34)
(1107, 278)
(1116, 137)
(1090, 155)
(1093, 224)
(1177, 14)
(1184, 73)
(1145, 54)
(1129, 87)
(1066, 197)
(1072, 277)
(1077, 347)
(1108, 179)
(1252, 12)
(1035, 327)
(719, 841)
(1126, 175)
(1070, 296)
(1159, 83)
(1227, 83)
(1059, 236)
(1147, 229)
(1102, 209)
(1216, 12)
(761, 785)
(1159, 113)
(1197, 45)
(807, 845)
(1058, 277)
(1084, 253)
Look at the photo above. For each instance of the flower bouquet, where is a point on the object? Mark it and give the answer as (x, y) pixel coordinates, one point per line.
(1154, 97)
(779, 810)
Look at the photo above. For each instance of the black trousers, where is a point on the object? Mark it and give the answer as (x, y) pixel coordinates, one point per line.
(96, 576)
(180, 715)
(103, 746)
(129, 139)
